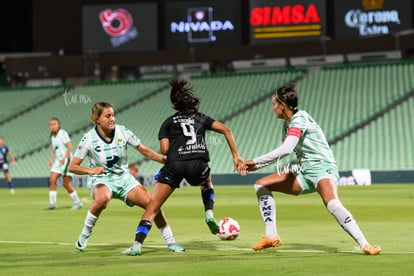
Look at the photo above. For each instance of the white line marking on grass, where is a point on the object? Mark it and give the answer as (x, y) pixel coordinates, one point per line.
(204, 248)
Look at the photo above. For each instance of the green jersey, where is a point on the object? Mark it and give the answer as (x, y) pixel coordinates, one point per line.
(111, 155)
(59, 142)
(312, 146)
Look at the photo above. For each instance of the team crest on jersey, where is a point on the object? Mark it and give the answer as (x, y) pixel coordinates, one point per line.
(121, 143)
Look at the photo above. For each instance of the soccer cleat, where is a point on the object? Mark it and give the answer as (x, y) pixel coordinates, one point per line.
(372, 250)
(173, 247)
(82, 242)
(212, 224)
(51, 207)
(266, 243)
(12, 191)
(76, 206)
(134, 250)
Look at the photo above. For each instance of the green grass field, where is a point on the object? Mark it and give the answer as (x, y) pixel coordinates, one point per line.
(38, 242)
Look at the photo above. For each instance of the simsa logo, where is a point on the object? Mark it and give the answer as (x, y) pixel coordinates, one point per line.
(285, 21)
(118, 25)
(200, 25)
(297, 14)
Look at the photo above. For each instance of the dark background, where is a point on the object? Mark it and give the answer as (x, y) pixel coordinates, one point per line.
(54, 27)
(51, 25)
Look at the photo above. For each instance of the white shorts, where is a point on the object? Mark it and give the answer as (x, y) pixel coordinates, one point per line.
(61, 169)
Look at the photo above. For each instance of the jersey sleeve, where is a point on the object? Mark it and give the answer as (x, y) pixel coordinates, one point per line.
(297, 126)
(208, 121)
(130, 137)
(83, 148)
(65, 137)
(163, 132)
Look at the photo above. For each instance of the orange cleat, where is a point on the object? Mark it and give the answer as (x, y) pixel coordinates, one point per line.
(372, 250)
(266, 243)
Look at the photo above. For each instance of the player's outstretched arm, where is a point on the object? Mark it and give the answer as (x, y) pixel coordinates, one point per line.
(150, 154)
(76, 168)
(226, 131)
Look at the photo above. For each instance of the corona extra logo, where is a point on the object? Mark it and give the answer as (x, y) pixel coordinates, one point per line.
(372, 4)
(373, 20)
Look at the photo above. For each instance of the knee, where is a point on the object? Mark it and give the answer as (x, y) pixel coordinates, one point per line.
(261, 191)
(102, 201)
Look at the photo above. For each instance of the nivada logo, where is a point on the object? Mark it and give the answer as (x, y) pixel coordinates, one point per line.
(200, 25)
(287, 21)
(118, 24)
(372, 20)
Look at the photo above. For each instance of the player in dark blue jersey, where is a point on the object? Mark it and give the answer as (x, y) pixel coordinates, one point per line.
(182, 139)
(4, 164)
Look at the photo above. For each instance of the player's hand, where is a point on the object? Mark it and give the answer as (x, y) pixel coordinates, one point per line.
(237, 161)
(246, 167)
(97, 170)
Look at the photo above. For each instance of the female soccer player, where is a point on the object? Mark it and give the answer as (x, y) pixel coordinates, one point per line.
(318, 171)
(182, 139)
(59, 162)
(108, 172)
(4, 164)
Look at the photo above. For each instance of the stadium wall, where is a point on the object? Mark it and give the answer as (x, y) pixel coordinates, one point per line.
(348, 178)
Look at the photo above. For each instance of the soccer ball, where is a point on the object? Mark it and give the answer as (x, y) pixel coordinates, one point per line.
(229, 229)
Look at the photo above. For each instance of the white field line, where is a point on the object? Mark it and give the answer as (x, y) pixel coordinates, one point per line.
(202, 248)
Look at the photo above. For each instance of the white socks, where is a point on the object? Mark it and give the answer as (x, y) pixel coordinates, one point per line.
(52, 197)
(167, 234)
(267, 208)
(74, 196)
(345, 219)
(89, 223)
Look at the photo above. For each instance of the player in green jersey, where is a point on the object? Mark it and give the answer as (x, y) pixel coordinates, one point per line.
(317, 171)
(105, 146)
(59, 163)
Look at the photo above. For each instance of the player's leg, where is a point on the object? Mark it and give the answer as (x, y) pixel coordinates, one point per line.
(67, 179)
(278, 182)
(53, 190)
(8, 179)
(208, 197)
(159, 195)
(328, 191)
(101, 197)
(141, 197)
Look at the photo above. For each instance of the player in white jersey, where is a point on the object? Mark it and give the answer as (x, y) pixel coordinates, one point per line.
(108, 174)
(59, 163)
(317, 171)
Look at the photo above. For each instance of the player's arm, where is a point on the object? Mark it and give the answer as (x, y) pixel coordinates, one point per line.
(12, 158)
(52, 157)
(164, 145)
(219, 127)
(286, 148)
(67, 153)
(76, 168)
(150, 154)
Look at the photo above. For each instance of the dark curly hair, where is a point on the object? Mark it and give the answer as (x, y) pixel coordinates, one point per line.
(182, 97)
(288, 95)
